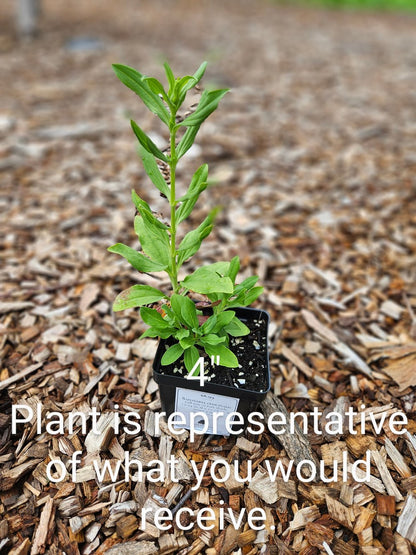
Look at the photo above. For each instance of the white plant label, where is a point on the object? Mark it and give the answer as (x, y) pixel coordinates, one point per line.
(202, 410)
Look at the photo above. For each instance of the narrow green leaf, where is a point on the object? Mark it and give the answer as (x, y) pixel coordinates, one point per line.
(192, 241)
(134, 80)
(139, 203)
(176, 304)
(184, 84)
(189, 82)
(190, 358)
(136, 259)
(206, 106)
(206, 281)
(194, 237)
(199, 73)
(248, 283)
(187, 206)
(170, 77)
(236, 328)
(169, 312)
(199, 177)
(227, 357)
(252, 295)
(187, 342)
(156, 332)
(212, 339)
(172, 354)
(245, 298)
(145, 211)
(187, 141)
(197, 185)
(155, 86)
(234, 268)
(153, 239)
(137, 295)
(223, 319)
(152, 317)
(147, 142)
(185, 310)
(152, 170)
(209, 325)
(181, 333)
(189, 314)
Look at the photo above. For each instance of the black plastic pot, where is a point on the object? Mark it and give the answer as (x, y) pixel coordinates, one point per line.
(178, 394)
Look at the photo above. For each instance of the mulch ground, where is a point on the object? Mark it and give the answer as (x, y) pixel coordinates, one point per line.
(312, 158)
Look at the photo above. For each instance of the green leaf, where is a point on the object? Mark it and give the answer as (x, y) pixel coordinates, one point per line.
(222, 267)
(169, 312)
(187, 141)
(153, 171)
(209, 325)
(137, 295)
(223, 319)
(172, 354)
(185, 310)
(152, 317)
(155, 86)
(144, 210)
(205, 280)
(252, 295)
(234, 268)
(200, 176)
(245, 298)
(154, 241)
(236, 328)
(183, 85)
(192, 240)
(147, 142)
(248, 283)
(199, 73)
(189, 81)
(190, 358)
(157, 332)
(176, 304)
(170, 77)
(212, 339)
(197, 185)
(181, 333)
(186, 208)
(208, 103)
(227, 357)
(135, 81)
(189, 313)
(187, 342)
(136, 259)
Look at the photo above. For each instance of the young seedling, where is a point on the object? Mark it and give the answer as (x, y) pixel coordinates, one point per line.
(173, 314)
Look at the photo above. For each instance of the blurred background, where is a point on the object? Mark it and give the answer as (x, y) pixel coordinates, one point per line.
(311, 154)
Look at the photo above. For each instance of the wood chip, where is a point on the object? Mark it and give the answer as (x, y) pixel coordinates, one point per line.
(406, 525)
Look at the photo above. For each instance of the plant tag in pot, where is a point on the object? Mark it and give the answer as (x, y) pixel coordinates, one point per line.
(204, 412)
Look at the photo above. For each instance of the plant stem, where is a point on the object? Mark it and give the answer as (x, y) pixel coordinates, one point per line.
(172, 201)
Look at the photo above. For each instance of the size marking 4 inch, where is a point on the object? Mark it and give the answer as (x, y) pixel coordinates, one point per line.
(198, 370)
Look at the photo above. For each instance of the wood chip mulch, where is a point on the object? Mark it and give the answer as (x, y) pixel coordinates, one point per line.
(312, 158)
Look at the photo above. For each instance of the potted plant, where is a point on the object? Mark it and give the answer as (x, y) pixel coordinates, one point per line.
(212, 354)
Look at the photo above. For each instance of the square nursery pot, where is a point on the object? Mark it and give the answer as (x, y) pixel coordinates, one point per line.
(229, 390)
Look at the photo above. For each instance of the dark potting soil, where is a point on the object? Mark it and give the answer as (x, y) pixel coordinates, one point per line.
(251, 352)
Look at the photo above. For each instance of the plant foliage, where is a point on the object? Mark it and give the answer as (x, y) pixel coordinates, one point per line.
(173, 314)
